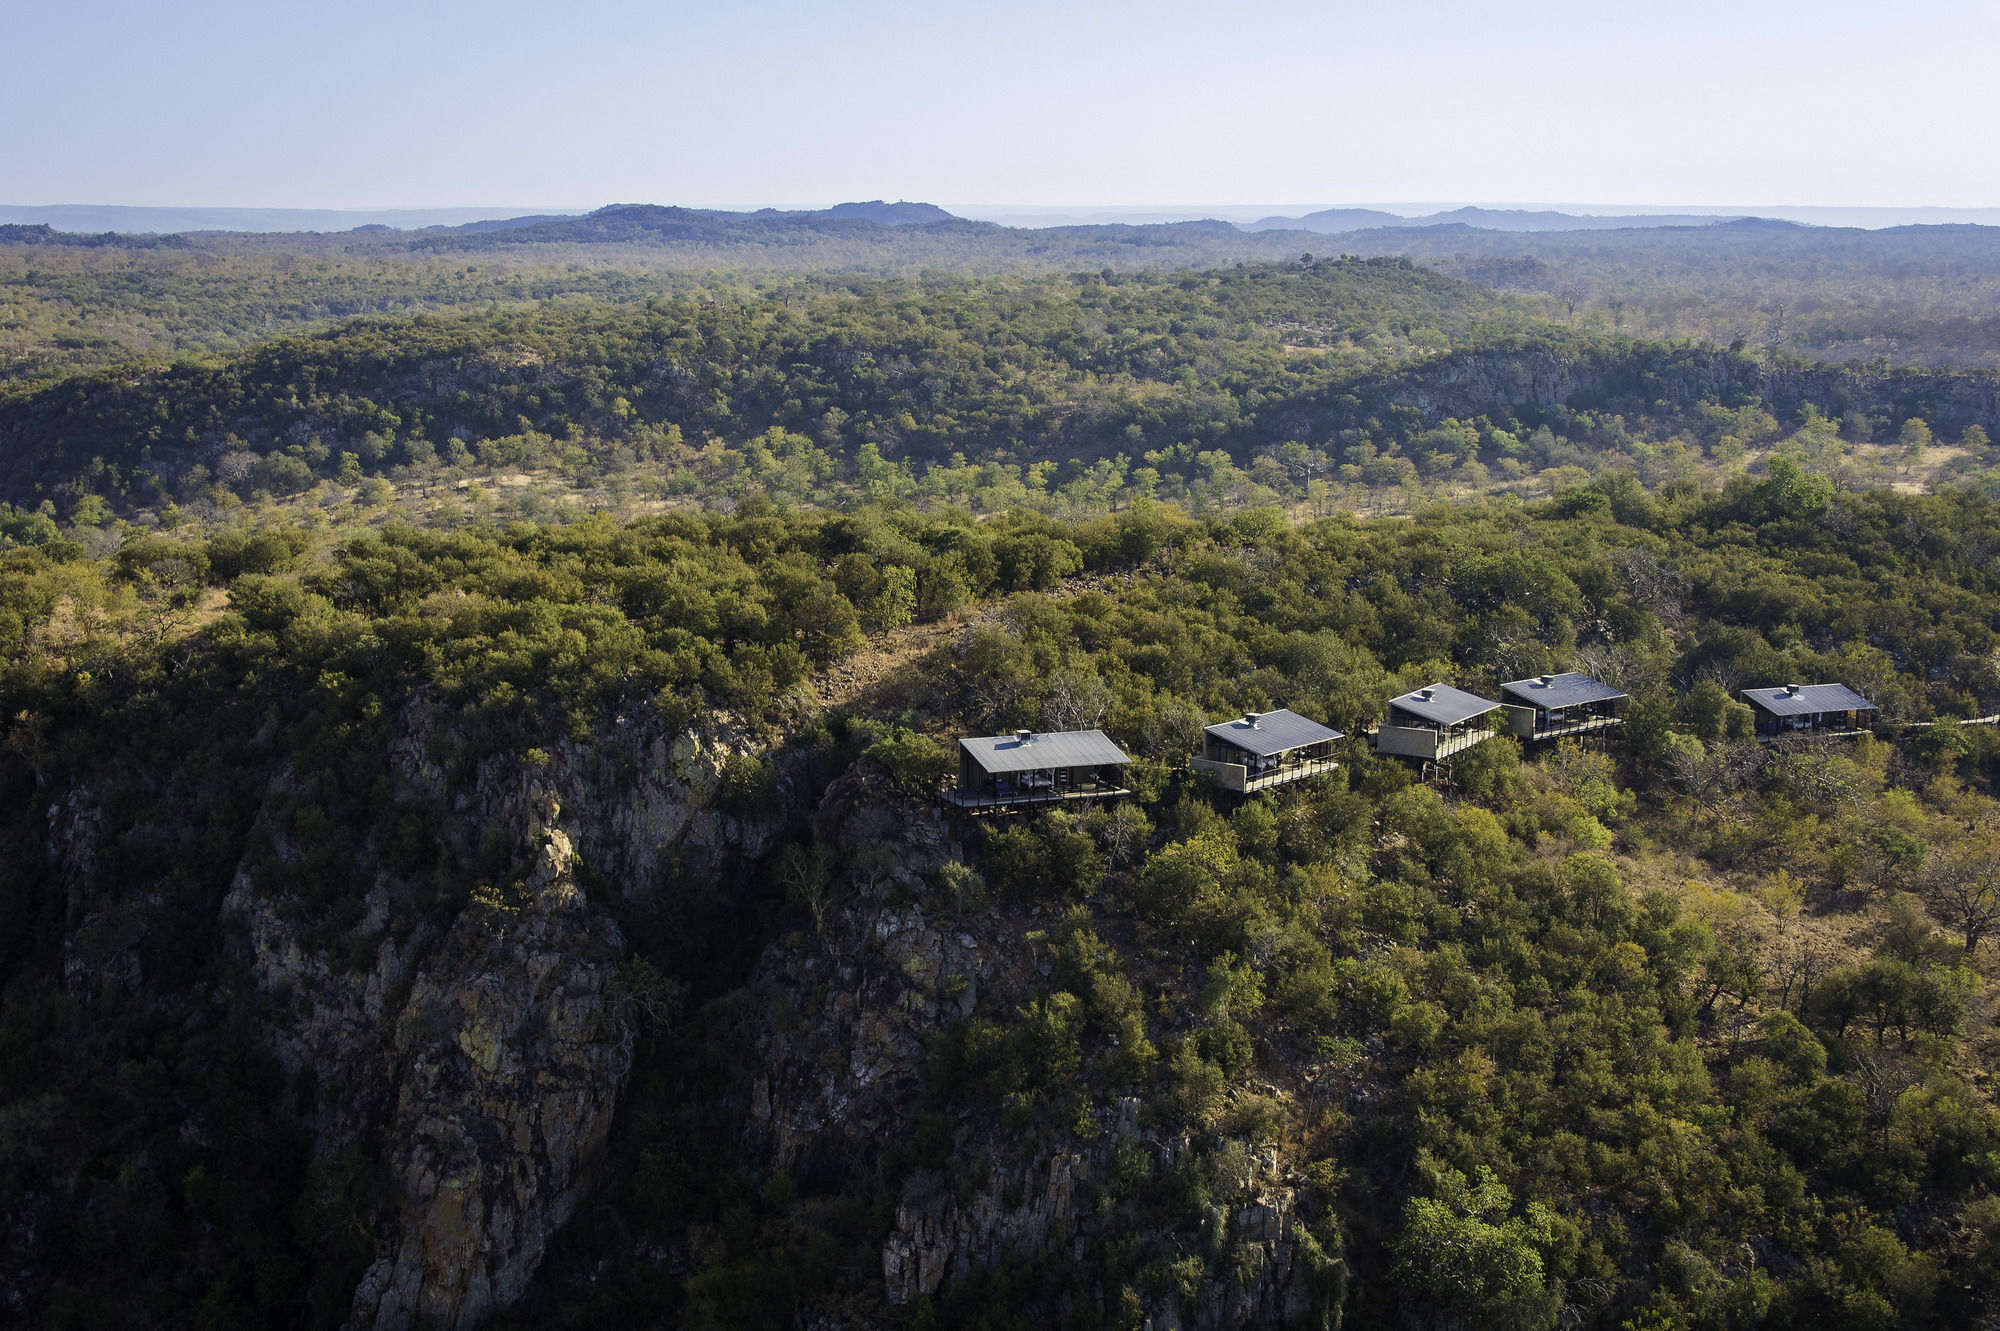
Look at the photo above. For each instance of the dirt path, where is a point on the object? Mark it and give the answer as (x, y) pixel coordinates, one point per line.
(870, 678)
(867, 676)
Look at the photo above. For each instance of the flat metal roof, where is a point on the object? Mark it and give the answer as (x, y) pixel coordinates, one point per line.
(1274, 732)
(1043, 749)
(1570, 689)
(1446, 705)
(1805, 699)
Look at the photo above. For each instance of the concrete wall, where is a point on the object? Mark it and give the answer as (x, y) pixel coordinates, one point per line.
(1406, 741)
(1230, 776)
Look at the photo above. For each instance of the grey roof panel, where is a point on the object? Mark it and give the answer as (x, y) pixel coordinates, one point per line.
(1808, 699)
(1275, 732)
(1571, 689)
(1446, 706)
(1042, 750)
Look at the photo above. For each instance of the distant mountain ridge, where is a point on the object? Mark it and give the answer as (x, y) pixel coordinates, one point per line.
(629, 223)
(1338, 220)
(130, 220)
(126, 220)
(41, 233)
(889, 214)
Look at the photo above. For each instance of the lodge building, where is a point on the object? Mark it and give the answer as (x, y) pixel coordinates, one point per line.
(1555, 706)
(1808, 709)
(1435, 722)
(1002, 773)
(1266, 749)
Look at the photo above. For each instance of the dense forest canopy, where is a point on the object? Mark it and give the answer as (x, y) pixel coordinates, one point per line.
(1903, 295)
(1374, 381)
(1906, 295)
(580, 616)
(1689, 1032)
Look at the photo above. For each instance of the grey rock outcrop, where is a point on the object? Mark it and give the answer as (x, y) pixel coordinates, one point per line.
(1259, 1264)
(897, 965)
(479, 1067)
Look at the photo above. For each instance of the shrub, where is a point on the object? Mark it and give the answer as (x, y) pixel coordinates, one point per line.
(748, 787)
(1227, 1045)
(1055, 857)
(919, 764)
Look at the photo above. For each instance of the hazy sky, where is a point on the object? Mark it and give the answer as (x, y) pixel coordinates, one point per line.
(369, 105)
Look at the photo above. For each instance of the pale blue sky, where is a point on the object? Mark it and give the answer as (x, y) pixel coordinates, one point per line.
(371, 105)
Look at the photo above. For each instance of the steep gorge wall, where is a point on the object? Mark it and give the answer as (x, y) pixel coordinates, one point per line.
(478, 1072)
(475, 1068)
(896, 967)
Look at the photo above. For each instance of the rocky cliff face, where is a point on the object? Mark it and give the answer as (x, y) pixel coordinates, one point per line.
(474, 1066)
(479, 1070)
(898, 965)
(1273, 1272)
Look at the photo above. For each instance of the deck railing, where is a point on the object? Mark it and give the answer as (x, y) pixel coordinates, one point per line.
(1423, 742)
(974, 802)
(1581, 726)
(1240, 778)
(1809, 732)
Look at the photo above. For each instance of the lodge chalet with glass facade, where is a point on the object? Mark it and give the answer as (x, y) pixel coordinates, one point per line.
(1265, 749)
(1001, 773)
(1435, 722)
(1555, 706)
(1808, 709)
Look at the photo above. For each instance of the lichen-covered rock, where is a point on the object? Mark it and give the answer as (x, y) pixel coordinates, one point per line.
(843, 1083)
(1034, 1206)
(506, 1076)
(884, 978)
(480, 1068)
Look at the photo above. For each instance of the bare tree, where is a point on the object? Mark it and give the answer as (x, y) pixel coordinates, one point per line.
(1571, 294)
(1617, 665)
(1174, 729)
(1800, 959)
(1123, 833)
(808, 883)
(170, 590)
(1075, 701)
(1659, 588)
(1962, 887)
(1710, 775)
(1779, 334)
(1882, 1078)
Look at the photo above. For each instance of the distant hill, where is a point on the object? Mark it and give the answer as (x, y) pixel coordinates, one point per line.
(1514, 219)
(647, 223)
(1340, 220)
(130, 220)
(1329, 219)
(41, 234)
(889, 214)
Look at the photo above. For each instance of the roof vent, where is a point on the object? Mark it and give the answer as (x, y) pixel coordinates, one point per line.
(1548, 679)
(1794, 689)
(1427, 694)
(1023, 736)
(1253, 718)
